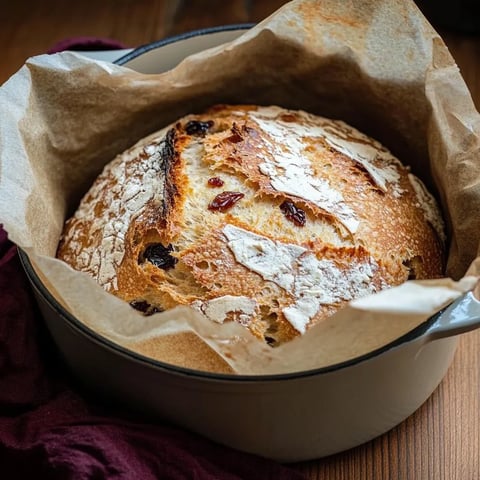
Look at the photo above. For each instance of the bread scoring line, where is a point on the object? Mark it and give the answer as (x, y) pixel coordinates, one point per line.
(125, 199)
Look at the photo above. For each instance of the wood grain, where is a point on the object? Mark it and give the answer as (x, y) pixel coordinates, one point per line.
(441, 441)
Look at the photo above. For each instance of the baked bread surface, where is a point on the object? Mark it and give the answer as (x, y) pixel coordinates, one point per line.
(269, 217)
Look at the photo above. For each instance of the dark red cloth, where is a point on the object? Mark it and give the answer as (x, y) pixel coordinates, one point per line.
(85, 44)
(49, 429)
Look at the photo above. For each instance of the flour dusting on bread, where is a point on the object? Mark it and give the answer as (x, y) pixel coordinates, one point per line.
(269, 217)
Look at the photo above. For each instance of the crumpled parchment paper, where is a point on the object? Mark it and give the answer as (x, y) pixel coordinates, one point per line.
(376, 64)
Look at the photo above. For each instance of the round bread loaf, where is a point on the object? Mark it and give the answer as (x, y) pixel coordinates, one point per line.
(269, 217)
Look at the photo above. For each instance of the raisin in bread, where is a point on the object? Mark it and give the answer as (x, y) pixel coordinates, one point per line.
(265, 216)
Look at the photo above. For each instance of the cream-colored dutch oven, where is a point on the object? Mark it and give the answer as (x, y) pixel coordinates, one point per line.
(289, 417)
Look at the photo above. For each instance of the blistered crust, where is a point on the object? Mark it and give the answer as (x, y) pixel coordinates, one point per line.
(303, 214)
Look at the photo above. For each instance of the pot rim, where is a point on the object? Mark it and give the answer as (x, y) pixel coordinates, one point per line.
(150, 362)
(147, 47)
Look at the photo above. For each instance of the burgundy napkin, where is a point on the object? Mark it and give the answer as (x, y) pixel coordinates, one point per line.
(50, 429)
(86, 44)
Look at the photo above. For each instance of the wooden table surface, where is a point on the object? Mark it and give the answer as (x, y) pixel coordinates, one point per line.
(442, 439)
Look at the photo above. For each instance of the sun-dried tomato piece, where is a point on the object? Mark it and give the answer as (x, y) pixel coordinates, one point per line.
(159, 255)
(215, 182)
(288, 117)
(225, 200)
(236, 136)
(196, 127)
(293, 213)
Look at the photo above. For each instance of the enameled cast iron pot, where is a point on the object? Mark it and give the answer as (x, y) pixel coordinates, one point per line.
(289, 417)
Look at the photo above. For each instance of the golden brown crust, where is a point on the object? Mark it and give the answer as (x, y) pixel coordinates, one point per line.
(311, 214)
